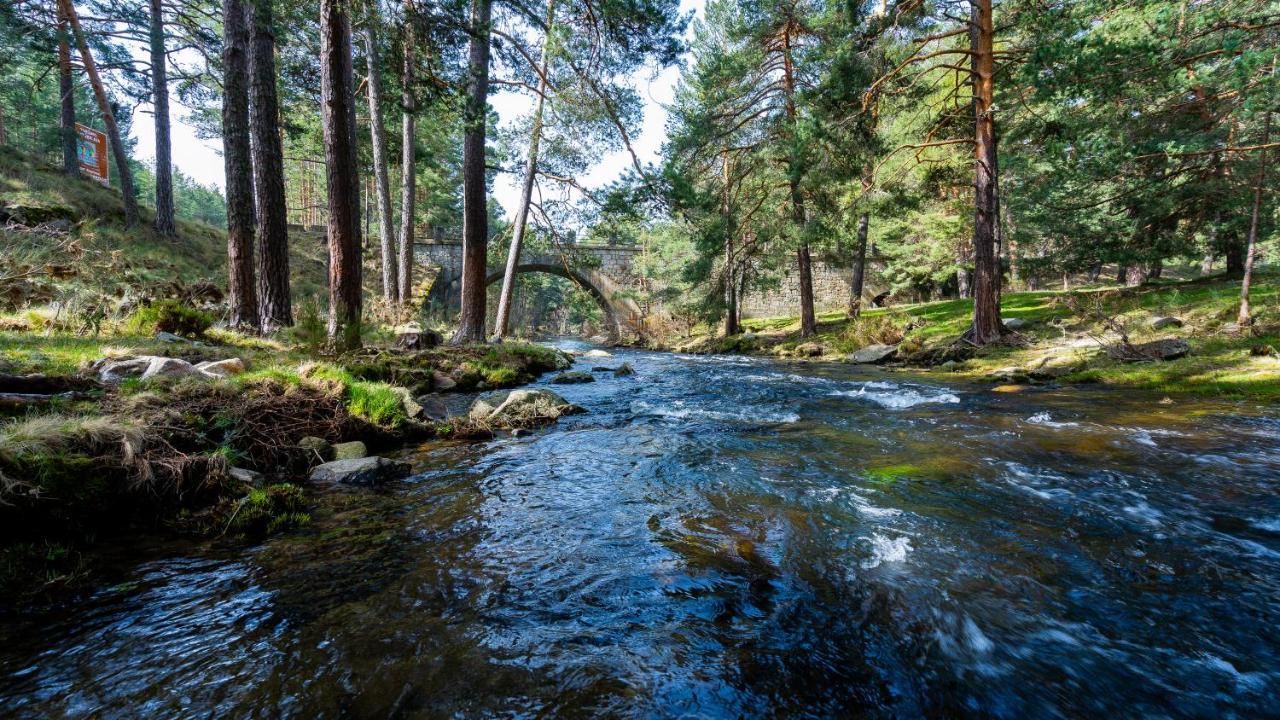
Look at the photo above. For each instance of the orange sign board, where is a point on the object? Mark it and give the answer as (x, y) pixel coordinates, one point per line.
(91, 148)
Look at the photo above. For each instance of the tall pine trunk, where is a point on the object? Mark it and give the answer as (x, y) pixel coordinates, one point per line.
(1244, 319)
(475, 212)
(108, 118)
(165, 224)
(378, 135)
(338, 121)
(731, 326)
(408, 161)
(986, 327)
(275, 302)
(804, 263)
(67, 91)
(526, 190)
(859, 267)
(237, 157)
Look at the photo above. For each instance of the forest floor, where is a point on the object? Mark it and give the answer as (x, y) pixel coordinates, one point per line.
(1063, 337)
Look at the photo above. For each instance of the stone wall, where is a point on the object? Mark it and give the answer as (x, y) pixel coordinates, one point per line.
(830, 290)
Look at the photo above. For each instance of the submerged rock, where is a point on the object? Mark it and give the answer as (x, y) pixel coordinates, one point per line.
(571, 378)
(624, 370)
(360, 471)
(353, 450)
(512, 408)
(873, 354)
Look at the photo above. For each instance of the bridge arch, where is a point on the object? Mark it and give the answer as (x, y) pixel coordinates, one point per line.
(596, 284)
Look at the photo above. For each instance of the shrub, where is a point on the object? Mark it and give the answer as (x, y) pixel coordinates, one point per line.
(169, 316)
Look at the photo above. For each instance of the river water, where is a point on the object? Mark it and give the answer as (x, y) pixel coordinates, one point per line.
(730, 537)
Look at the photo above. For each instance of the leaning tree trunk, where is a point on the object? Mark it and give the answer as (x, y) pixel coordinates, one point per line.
(378, 136)
(859, 267)
(986, 327)
(165, 224)
(1244, 319)
(526, 191)
(67, 90)
(338, 121)
(275, 302)
(408, 160)
(242, 293)
(108, 118)
(475, 212)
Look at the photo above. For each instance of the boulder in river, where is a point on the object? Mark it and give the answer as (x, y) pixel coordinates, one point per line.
(433, 407)
(1168, 349)
(521, 407)
(349, 450)
(371, 470)
(572, 378)
(624, 370)
(873, 354)
(597, 353)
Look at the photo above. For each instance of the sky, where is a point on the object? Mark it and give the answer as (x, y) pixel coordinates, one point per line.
(202, 159)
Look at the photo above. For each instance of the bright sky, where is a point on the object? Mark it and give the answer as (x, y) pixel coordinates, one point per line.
(202, 159)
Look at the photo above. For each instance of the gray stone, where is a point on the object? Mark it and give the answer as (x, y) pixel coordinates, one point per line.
(169, 337)
(442, 383)
(360, 471)
(246, 476)
(873, 354)
(169, 367)
(319, 446)
(433, 407)
(525, 406)
(123, 368)
(222, 368)
(1169, 349)
(597, 353)
(418, 340)
(624, 370)
(1015, 324)
(1162, 322)
(353, 450)
(572, 378)
(412, 409)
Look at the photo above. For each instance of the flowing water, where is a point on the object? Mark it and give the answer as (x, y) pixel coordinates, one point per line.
(729, 537)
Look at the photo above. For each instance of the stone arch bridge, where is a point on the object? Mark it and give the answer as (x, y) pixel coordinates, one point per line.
(603, 271)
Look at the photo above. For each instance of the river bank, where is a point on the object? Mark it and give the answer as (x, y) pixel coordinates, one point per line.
(119, 434)
(1082, 337)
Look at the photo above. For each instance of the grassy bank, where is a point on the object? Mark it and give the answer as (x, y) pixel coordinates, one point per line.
(1063, 339)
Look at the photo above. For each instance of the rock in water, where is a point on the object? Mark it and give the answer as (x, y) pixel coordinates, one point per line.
(514, 408)
(571, 378)
(624, 370)
(873, 354)
(433, 408)
(360, 471)
(1169, 349)
(353, 450)
(598, 353)
(1162, 322)
(441, 382)
(418, 340)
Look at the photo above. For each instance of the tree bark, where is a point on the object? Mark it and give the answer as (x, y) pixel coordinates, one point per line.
(475, 211)
(378, 136)
(1156, 269)
(275, 301)
(986, 327)
(730, 284)
(1235, 255)
(1244, 319)
(526, 190)
(1135, 275)
(804, 264)
(165, 224)
(108, 118)
(242, 295)
(67, 91)
(859, 267)
(338, 121)
(408, 161)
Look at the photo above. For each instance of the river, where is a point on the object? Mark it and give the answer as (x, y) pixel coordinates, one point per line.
(729, 537)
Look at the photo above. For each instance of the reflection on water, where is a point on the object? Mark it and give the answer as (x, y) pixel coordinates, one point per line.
(725, 537)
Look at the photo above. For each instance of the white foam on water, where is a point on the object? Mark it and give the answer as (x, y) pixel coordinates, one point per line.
(1045, 419)
(885, 549)
(1033, 481)
(677, 410)
(896, 397)
(1145, 512)
(1268, 524)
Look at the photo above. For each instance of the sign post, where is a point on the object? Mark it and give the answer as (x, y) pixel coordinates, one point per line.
(91, 149)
